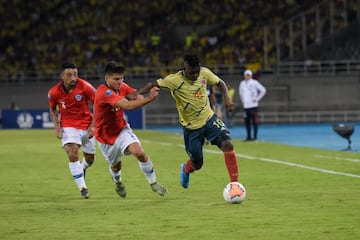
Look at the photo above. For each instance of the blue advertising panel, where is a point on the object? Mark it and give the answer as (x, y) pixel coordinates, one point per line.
(41, 119)
(136, 118)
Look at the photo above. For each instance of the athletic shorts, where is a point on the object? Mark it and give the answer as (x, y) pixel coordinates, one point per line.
(80, 137)
(113, 153)
(194, 139)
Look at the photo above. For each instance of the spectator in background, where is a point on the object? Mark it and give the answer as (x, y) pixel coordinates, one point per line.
(71, 98)
(251, 92)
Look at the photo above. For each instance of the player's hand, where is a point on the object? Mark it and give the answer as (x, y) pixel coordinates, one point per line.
(91, 132)
(229, 105)
(58, 132)
(154, 92)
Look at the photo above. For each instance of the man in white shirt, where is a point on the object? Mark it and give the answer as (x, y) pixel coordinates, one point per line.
(251, 92)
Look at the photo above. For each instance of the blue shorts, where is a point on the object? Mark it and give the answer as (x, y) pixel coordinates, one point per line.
(194, 139)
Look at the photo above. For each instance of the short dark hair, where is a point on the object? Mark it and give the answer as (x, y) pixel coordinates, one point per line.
(192, 60)
(113, 67)
(66, 65)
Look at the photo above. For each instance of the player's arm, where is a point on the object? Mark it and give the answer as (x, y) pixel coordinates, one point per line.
(213, 98)
(54, 116)
(138, 102)
(147, 87)
(224, 90)
(130, 92)
(91, 128)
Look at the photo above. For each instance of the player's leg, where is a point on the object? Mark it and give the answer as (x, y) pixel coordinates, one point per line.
(219, 135)
(88, 147)
(115, 171)
(194, 140)
(71, 143)
(247, 122)
(113, 154)
(131, 145)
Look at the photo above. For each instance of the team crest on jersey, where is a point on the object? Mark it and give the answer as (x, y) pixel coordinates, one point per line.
(198, 95)
(78, 97)
(203, 81)
(108, 92)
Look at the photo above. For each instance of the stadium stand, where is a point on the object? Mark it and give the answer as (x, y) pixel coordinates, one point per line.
(91, 32)
(150, 37)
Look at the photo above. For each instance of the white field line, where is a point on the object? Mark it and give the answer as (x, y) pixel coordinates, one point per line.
(338, 158)
(266, 160)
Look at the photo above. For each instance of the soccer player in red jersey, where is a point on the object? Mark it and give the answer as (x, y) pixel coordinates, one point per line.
(114, 135)
(69, 102)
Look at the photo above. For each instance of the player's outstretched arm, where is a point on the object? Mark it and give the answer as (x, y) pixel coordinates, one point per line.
(147, 87)
(138, 102)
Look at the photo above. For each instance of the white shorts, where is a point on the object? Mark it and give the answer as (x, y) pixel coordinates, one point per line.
(80, 137)
(113, 153)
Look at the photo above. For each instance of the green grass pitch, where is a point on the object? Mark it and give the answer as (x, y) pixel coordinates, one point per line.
(292, 193)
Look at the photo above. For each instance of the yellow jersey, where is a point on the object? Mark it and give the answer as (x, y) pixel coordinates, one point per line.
(191, 98)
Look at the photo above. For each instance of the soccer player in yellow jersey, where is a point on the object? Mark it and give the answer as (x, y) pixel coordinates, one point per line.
(188, 88)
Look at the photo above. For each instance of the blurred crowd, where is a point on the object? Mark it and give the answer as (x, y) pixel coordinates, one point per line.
(39, 35)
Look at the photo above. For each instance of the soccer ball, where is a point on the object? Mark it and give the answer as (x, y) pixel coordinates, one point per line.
(234, 192)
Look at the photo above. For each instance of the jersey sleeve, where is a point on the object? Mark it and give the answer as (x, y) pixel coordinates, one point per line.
(211, 77)
(169, 82)
(109, 97)
(127, 89)
(89, 90)
(51, 99)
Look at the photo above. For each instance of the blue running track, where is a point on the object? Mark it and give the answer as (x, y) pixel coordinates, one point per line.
(319, 135)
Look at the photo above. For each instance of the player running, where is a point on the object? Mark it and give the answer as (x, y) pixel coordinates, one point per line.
(69, 102)
(114, 135)
(188, 88)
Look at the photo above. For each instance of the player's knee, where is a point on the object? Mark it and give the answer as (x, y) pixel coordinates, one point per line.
(141, 155)
(224, 142)
(227, 145)
(90, 158)
(73, 156)
(72, 151)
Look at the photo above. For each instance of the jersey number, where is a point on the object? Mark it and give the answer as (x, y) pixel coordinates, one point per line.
(219, 124)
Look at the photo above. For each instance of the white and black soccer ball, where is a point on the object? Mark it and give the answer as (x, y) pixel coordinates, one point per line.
(234, 192)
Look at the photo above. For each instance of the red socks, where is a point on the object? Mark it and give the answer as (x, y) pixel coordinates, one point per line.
(230, 162)
(189, 167)
(232, 166)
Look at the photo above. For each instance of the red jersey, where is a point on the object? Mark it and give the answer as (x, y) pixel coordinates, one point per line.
(109, 121)
(74, 105)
